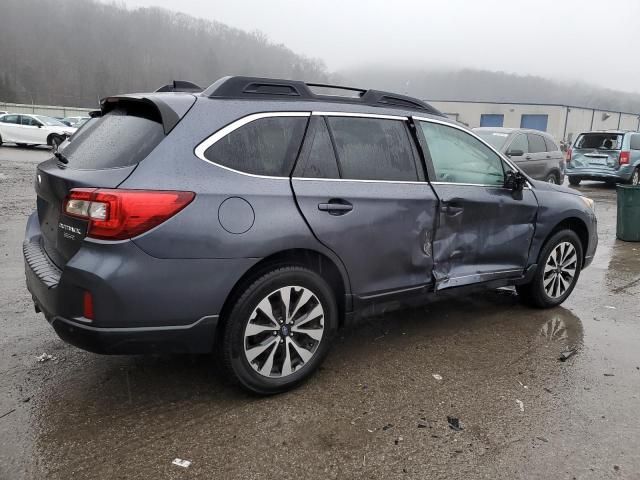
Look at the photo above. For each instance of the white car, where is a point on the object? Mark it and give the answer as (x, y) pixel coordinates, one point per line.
(23, 129)
(75, 122)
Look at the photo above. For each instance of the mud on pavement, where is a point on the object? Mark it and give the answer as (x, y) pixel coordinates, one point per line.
(374, 410)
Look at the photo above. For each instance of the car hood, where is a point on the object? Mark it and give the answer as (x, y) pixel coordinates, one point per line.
(552, 187)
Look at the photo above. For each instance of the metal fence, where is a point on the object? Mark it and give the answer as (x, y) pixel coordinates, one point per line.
(49, 110)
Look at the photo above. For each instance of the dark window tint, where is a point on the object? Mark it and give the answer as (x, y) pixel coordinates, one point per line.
(536, 143)
(373, 149)
(267, 146)
(551, 145)
(120, 138)
(635, 142)
(601, 141)
(11, 119)
(30, 122)
(318, 159)
(519, 142)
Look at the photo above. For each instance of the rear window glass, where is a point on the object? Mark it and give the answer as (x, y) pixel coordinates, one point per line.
(372, 149)
(118, 139)
(551, 145)
(600, 141)
(267, 146)
(536, 143)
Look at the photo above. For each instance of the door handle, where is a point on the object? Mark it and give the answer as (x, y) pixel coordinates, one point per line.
(453, 210)
(548, 156)
(336, 207)
(527, 157)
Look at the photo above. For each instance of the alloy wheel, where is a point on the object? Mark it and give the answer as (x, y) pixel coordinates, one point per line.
(284, 331)
(635, 179)
(560, 270)
(551, 179)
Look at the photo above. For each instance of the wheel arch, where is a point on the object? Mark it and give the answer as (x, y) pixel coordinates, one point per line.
(311, 259)
(578, 226)
(50, 137)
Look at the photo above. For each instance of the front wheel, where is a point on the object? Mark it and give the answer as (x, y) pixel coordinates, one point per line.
(574, 181)
(557, 272)
(279, 330)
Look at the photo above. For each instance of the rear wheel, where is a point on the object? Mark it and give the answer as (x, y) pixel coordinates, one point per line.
(552, 178)
(55, 141)
(557, 272)
(574, 181)
(279, 330)
(635, 178)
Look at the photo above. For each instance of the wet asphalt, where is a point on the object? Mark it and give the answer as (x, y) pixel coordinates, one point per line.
(374, 410)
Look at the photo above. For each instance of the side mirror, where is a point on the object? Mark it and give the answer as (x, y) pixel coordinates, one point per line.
(515, 153)
(514, 181)
(39, 125)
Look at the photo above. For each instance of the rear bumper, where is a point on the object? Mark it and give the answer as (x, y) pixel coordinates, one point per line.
(141, 303)
(195, 338)
(621, 175)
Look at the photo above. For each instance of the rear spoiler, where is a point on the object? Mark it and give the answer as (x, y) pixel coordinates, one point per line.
(170, 108)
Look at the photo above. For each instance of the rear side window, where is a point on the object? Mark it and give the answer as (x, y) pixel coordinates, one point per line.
(600, 141)
(267, 146)
(373, 149)
(10, 119)
(536, 143)
(551, 145)
(120, 138)
(317, 159)
(635, 142)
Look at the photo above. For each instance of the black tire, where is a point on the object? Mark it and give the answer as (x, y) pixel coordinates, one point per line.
(22, 145)
(635, 178)
(574, 181)
(55, 141)
(552, 178)
(0, 139)
(233, 341)
(534, 292)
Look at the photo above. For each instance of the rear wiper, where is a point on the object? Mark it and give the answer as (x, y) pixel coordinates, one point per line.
(61, 158)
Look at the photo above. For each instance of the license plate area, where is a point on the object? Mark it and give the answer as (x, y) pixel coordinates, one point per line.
(71, 232)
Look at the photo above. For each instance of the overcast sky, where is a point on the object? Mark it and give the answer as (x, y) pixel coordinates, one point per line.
(589, 40)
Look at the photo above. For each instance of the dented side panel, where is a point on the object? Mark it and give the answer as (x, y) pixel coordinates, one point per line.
(385, 241)
(483, 233)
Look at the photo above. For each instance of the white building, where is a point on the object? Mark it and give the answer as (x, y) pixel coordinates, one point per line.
(564, 122)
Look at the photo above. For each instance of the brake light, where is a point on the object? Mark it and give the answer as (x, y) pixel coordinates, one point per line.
(569, 153)
(624, 158)
(121, 214)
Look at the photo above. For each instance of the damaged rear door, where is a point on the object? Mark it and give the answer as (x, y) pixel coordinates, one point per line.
(483, 230)
(359, 185)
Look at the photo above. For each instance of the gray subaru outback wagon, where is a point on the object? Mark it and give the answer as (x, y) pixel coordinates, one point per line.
(258, 216)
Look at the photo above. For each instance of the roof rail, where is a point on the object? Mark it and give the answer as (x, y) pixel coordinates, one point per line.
(180, 86)
(240, 87)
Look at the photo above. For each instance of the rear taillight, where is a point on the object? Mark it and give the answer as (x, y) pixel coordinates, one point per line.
(624, 158)
(568, 156)
(122, 214)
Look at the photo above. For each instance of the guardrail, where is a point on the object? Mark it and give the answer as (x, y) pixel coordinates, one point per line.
(49, 110)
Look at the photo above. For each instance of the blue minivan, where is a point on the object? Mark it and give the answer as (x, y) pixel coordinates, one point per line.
(612, 156)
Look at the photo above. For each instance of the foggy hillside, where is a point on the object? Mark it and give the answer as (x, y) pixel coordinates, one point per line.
(72, 52)
(487, 86)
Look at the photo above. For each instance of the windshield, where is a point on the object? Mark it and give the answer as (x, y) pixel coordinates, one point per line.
(495, 139)
(52, 122)
(599, 141)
